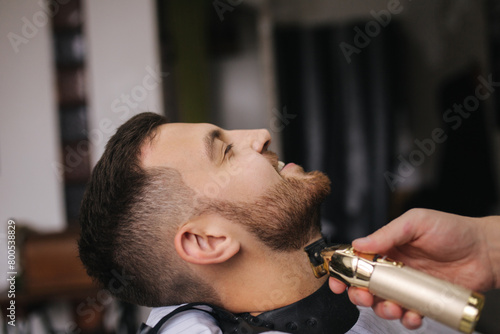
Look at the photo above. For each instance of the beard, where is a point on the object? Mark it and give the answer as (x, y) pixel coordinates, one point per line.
(286, 217)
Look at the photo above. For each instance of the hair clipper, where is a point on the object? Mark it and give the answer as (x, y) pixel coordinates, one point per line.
(447, 303)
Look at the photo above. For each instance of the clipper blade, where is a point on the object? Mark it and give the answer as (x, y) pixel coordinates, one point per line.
(315, 258)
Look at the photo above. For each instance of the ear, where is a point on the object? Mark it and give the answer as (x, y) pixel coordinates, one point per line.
(205, 240)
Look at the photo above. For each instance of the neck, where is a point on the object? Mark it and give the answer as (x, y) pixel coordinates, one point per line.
(266, 280)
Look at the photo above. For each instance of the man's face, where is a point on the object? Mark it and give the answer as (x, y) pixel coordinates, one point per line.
(242, 180)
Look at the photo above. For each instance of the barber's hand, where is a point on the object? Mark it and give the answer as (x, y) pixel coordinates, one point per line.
(447, 246)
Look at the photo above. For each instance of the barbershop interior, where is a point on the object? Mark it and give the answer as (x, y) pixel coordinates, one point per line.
(397, 101)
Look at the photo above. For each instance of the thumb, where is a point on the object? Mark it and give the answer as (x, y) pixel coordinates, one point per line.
(398, 232)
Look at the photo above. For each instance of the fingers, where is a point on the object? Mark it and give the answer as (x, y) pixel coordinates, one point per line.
(336, 286)
(360, 296)
(412, 320)
(398, 232)
(390, 311)
(387, 310)
(382, 308)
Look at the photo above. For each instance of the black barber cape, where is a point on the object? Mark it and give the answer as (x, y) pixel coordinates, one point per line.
(323, 312)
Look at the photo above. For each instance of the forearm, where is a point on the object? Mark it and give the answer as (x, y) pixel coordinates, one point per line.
(491, 233)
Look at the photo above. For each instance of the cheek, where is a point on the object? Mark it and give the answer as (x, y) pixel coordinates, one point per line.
(251, 185)
(250, 179)
(239, 180)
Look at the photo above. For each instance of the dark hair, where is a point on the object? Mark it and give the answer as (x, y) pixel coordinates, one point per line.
(128, 219)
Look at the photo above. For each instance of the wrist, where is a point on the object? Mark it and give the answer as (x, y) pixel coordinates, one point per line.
(491, 235)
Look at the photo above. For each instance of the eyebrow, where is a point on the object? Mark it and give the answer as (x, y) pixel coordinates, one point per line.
(209, 143)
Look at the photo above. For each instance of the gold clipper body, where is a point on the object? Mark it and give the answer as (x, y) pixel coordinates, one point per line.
(449, 304)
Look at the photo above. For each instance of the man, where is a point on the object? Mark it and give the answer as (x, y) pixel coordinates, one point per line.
(192, 213)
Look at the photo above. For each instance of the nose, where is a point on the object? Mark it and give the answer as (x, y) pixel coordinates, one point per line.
(258, 139)
(262, 140)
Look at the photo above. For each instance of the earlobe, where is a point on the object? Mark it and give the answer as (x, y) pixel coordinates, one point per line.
(198, 245)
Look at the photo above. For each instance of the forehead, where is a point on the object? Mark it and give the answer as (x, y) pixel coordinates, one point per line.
(175, 144)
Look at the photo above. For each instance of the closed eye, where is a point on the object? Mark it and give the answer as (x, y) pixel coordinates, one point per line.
(228, 150)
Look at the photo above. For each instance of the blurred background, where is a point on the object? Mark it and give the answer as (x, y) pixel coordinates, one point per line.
(397, 101)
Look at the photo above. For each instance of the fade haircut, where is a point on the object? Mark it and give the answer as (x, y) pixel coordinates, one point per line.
(129, 216)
